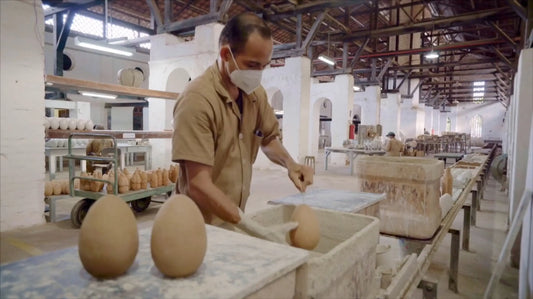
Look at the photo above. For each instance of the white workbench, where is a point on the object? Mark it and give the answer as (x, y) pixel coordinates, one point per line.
(352, 153)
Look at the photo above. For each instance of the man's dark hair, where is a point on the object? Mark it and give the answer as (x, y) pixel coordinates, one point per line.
(239, 28)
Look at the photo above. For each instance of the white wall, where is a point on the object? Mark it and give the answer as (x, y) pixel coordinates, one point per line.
(22, 172)
(492, 114)
(122, 118)
(170, 58)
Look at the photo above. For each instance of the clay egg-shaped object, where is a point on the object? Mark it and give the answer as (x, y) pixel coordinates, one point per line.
(46, 123)
(307, 234)
(109, 239)
(179, 239)
(54, 123)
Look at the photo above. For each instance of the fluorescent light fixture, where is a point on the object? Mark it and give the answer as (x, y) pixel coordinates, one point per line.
(432, 55)
(326, 59)
(356, 88)
(98, 95)
(278, 112)
(479, 83)
(81, 42)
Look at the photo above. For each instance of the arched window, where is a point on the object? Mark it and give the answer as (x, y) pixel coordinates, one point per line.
(448, 124)
(476, 126)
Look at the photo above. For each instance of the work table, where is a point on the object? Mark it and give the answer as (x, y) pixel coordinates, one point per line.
(235, 266)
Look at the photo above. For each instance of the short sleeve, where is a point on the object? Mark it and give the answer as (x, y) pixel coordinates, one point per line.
(193, 138)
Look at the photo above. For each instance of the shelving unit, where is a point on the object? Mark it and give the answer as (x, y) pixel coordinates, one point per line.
(140, 200)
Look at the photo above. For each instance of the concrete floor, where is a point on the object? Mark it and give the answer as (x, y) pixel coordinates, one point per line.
(474, 269)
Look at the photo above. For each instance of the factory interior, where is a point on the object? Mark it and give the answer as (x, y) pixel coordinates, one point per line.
(413, 119)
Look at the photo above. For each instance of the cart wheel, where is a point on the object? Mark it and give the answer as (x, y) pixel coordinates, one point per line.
(140, 205)
(79, 211)
(169, 193)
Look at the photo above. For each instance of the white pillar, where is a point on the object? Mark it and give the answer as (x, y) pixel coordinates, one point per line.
(370, 102)
(293, 81)
(390, 113)
(523, 113)
(22, 172)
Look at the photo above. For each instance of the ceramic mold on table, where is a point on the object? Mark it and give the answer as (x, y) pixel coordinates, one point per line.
(336, 200)
(235, 266)
(344, 261)
(412, 185)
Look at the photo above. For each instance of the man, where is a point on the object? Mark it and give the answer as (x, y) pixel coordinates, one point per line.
(222, 118)
(393, 147)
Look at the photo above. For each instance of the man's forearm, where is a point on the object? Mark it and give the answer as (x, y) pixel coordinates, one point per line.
(277, 153)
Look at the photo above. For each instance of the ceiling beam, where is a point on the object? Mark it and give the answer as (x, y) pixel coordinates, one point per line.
(54, 8)
(156, 13)
(319, 5)
(518, 8)
(441, 23)
(188, 24)
(503, 34)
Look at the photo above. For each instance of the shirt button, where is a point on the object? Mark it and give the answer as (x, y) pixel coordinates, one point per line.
(240, 136)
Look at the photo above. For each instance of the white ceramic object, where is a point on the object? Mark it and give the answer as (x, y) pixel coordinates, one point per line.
(46, 123)
(63, 123)
(54, 123)
(89, 125)
(80, 125)
(72, 123)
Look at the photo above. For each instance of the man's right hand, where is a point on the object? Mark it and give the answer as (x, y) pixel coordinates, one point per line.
(276, 233)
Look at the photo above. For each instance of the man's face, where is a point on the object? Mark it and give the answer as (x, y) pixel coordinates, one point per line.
(256, 54)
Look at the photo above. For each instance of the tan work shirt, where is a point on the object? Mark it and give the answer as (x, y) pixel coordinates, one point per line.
(394, 147)
(209, 129)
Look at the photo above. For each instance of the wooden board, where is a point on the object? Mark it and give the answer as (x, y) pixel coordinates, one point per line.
(63, 83)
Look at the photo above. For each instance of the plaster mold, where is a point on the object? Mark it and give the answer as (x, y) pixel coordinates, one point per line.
(343, 263)
(412, 185)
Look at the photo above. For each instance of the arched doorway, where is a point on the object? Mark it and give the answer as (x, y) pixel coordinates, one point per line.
(176, 82)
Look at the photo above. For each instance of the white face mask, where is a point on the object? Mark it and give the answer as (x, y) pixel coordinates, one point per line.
(246, 80)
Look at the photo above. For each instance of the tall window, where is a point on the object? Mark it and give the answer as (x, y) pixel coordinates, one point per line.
(478, 92)
(476, 126)
(448, 124)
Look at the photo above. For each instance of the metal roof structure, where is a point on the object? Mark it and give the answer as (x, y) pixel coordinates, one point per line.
(380, 42)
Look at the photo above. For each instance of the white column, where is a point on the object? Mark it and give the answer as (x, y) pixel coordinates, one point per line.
(523, 109)
(370, 102)
(294, 82)
(22, 171)
(390, 113)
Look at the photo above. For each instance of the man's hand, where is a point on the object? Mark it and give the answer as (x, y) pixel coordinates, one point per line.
(276, 233)
(301, 176)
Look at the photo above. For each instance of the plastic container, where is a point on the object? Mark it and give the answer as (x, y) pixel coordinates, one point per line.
(412, 185)
(344, 261)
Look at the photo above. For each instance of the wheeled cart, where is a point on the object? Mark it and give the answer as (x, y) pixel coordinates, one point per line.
(139, 200)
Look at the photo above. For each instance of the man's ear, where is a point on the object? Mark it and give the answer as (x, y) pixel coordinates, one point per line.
(225, 54)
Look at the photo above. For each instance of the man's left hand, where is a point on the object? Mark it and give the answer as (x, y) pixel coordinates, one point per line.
(301, 176)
